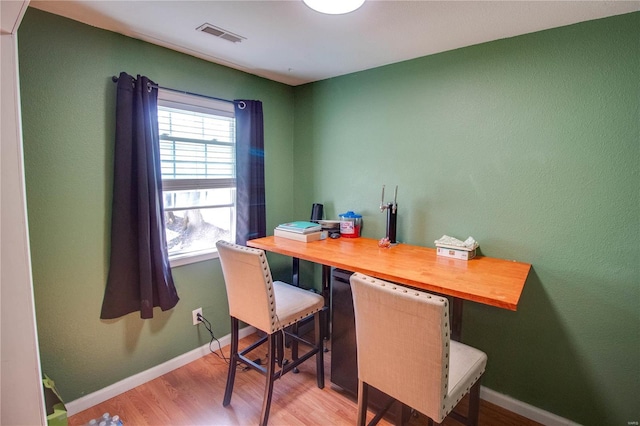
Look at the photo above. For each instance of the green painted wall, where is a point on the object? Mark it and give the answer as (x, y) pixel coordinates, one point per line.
(529, 144)
(68, 110)
(532, 146)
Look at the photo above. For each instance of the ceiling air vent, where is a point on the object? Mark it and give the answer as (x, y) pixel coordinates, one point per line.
(220, 33)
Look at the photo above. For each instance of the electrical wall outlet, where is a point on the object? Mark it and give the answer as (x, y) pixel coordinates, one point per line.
(194, 315)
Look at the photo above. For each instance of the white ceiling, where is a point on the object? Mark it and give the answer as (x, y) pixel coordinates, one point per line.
(287, 42)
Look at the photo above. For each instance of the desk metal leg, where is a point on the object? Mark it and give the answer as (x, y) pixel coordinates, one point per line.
(326, 293)
(326, 283)
(456, 318)
(296, 272)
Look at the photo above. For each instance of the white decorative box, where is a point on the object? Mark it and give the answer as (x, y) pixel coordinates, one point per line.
(456, 254)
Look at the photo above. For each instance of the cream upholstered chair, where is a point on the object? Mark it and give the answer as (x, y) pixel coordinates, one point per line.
(270, 306)
(405, 351)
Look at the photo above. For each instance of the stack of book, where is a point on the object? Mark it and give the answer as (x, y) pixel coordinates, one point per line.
(300, 231)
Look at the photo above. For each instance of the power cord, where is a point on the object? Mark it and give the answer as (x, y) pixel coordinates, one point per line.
(221, 355)
(207, 325)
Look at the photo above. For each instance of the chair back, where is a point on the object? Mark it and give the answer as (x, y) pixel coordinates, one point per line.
(247, 277)
(402, 338)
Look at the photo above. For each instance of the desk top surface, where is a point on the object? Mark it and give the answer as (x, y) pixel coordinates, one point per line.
(486, 280)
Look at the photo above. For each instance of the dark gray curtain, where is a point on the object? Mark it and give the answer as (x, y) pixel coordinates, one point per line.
(250, 199)
(139, 273)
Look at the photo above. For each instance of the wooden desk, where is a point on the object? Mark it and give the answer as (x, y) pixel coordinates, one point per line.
(493, 282)
(486, 280)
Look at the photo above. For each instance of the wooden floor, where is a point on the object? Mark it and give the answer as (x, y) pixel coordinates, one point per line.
(192, 395)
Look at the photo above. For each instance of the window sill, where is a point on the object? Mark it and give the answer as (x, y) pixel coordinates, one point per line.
(186, 259)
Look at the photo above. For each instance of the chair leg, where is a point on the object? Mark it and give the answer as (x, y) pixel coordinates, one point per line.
(474, 404)
(319, 338)
(363, 396)
(268, 390)
(279, 352)
(233, 362)
(294, 347)
(294, 342)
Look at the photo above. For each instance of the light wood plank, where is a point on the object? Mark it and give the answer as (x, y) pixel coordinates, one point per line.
(192, 395)
(486, 280)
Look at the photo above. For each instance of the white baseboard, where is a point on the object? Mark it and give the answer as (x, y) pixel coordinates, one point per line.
(95, 398)
(523, 409)
(129, 383)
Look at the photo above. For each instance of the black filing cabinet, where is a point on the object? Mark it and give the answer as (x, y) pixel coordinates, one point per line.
(344, 363)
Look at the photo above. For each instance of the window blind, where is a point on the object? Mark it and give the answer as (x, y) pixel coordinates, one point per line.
(196, 147)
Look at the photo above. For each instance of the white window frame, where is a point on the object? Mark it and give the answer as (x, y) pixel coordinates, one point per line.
(191, 102)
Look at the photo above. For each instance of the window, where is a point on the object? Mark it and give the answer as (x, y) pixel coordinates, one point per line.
(197, 155)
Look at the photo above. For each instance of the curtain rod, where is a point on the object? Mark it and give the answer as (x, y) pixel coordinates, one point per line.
(156, 86)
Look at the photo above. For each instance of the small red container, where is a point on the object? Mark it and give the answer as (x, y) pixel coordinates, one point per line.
(350, 224)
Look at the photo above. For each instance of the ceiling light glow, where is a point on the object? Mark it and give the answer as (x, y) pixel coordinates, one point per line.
(334, 7)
